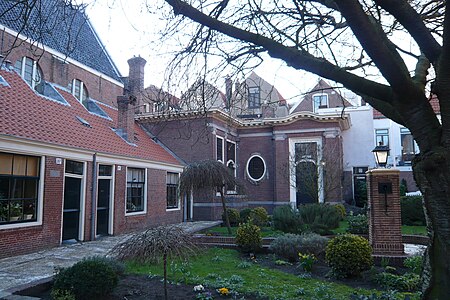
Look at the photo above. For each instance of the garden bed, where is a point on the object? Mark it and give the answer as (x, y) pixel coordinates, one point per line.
(260, 277)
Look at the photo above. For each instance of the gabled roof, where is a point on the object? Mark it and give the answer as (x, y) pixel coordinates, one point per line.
(28, 115)
(60, 27)
(321, 87)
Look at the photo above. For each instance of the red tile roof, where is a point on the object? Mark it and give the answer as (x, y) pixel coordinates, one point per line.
(434, 102)
(25, 114)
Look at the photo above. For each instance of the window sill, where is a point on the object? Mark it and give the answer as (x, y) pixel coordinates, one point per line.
(173, 209)
(20, 225)
(137, 213)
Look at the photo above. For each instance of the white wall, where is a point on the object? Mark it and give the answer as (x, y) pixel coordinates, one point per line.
(359, 140)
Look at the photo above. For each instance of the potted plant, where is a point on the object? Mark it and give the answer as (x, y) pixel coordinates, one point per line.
(15, 211)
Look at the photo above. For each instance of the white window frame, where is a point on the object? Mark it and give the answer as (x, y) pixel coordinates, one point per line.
(81, 99)
(178, 193)
(223, 149)
(40, 200)
(388, 136)
(248, 163)
(145, 191)
(231, 161)
(319, 106)
(34, 72)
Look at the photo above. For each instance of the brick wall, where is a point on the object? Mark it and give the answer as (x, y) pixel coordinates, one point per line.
(28, 239)
(156, 204)
(384, 222)
(62, 73)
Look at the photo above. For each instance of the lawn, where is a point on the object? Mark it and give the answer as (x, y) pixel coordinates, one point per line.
(216, 268)
(418, 230)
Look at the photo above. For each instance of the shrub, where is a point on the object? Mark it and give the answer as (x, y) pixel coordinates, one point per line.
(360, 193)
(412, 210)
(358, 224)
(319, 218)
(289, 245)
(91, 278)
(287, 220)
(245, 215)
(348, 255)
(341, 210)
(233, 216)
(403, 187)
(248, 237)
(259, 216)
(414, 263)
(408, 282)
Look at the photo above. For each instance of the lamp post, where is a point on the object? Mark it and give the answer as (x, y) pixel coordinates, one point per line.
(381, 154)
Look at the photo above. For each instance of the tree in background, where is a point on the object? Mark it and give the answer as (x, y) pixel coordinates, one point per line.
(348, 41)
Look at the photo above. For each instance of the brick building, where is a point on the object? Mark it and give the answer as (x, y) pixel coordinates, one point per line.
(74, 164)
(279, 158)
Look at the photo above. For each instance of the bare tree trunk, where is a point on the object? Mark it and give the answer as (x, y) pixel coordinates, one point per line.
(432, 173)
(224, 206)
(165, 276)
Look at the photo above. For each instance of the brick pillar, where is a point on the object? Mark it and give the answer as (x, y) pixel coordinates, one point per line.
(383, 189)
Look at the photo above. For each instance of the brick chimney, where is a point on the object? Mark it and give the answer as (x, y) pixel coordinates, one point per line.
(136, 80)
(131, 100)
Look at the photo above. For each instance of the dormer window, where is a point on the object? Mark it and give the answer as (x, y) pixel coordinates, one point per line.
(254, 97)
(30, 71)
(320, 101)
(79, 91)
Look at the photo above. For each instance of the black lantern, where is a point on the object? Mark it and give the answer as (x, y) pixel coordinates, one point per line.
(381, 154)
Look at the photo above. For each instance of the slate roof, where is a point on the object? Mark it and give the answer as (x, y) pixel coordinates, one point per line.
(26, 114)
(59, 27)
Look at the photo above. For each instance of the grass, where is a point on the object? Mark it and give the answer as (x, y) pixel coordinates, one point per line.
(217, 268)
(219, 230)
(419, 230)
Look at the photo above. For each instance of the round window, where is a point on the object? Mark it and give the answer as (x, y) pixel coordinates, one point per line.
(256, 167)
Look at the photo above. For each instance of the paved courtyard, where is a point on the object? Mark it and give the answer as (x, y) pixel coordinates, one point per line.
(19, 271)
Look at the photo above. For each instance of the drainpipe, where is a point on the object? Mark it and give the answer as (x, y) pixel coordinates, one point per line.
(94, 193)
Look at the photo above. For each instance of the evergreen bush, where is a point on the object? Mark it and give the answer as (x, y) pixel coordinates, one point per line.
(319, 218)
(91, 278)
(348, 255)
(412, 210)
(245, 215)
(259, 216)
(341, 210)
(233, 216)
(248, 237)
(358, 224)
(287, 220)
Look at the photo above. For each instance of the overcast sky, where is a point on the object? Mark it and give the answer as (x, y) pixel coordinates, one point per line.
(127, 29)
